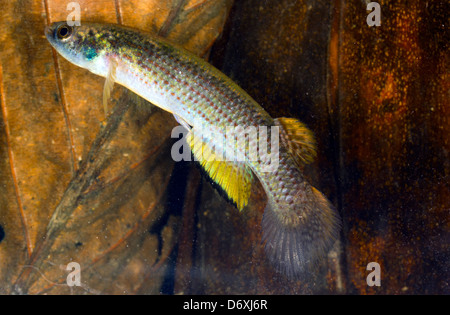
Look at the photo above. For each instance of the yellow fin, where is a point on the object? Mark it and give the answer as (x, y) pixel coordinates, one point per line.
(182, 122)
(109, 84)
(235, 178)
(298, 139)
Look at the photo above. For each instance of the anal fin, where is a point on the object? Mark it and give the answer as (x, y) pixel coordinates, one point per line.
(182, 122)
(234, 177)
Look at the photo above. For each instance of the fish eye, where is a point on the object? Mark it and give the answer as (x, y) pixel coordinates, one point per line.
(64, 31)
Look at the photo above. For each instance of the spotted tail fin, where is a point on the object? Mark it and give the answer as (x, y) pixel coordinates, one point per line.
(297, 239)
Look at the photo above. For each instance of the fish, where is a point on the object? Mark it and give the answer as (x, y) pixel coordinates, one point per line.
(299, 225)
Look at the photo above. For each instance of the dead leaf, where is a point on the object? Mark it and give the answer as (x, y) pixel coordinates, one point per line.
(77, 187)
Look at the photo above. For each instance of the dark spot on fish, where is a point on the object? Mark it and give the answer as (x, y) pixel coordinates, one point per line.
(90, 53)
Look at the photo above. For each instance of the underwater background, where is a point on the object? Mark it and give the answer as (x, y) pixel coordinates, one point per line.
(104, 192)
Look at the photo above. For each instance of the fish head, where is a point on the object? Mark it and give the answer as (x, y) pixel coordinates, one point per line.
(83, 45)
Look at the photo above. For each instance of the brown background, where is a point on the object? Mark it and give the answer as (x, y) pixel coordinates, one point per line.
(76, 186)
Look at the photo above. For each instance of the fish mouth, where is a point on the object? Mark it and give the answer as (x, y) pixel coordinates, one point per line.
(49, 32)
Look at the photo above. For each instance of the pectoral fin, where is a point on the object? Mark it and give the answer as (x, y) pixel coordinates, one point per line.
(298, 139)
(109, 84)
(235, 178)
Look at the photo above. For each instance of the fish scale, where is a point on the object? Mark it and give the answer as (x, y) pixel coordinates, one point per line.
(299, 225)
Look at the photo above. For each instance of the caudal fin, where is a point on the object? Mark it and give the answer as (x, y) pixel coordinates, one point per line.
(295, 245)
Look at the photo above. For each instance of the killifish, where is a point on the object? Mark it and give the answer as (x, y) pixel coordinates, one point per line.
(299, 224)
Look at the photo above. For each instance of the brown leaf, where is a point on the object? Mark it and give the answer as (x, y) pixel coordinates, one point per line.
(76, 186)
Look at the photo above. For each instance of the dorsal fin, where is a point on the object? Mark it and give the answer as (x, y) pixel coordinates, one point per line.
(298, 139)
(234, 177)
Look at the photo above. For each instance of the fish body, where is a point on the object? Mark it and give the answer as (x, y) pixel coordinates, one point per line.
(299, 224)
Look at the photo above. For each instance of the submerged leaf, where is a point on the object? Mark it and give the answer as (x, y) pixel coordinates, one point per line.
(79, 188)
